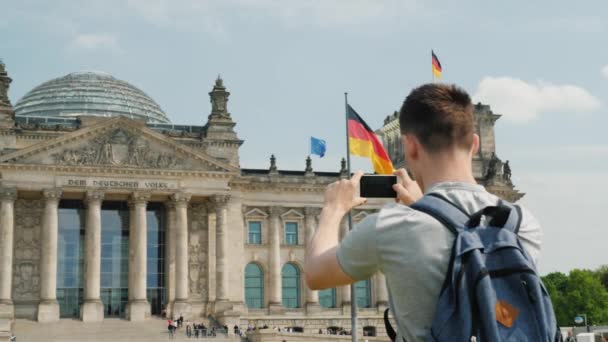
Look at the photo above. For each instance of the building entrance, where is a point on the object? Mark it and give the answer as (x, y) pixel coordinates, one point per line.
(70, 253)
(155, 280)
(114, 258)
(115, 301)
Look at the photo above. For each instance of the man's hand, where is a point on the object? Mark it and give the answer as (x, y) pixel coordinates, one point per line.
(343, 195)
(408, 191)
(322, 269)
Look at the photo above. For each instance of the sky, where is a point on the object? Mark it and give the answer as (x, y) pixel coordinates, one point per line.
(543, 65)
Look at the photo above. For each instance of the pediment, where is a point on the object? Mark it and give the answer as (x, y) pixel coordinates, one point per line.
(292, 214)
(117, 143)
(257, 213)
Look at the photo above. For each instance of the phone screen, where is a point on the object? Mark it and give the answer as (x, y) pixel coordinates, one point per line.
(378, 186)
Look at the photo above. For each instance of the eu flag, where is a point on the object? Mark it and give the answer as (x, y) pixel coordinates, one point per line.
(317, 146)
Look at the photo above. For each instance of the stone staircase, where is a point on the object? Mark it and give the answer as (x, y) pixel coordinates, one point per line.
(110, 330)
(5, 330)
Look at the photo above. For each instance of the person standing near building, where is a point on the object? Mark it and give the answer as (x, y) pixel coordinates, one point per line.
(188, 329)
(411, 248)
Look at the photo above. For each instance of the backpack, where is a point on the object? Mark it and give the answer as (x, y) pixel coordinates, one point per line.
(491, 291)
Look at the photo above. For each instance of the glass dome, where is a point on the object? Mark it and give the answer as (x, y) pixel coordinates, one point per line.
(89, 93)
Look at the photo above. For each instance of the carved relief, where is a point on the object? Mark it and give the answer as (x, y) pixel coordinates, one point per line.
(197, 256)
(28, 214)
(119, 147)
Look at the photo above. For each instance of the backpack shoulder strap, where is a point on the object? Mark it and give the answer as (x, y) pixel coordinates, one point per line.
(513, 220)
(443, 210)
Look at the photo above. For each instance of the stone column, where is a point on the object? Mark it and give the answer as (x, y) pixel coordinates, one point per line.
(274, 262)
(221, 230)
(381, 292)
(345, 290)
(181, 306)
(92, 309)
(48, 308)
(170, 256)
(138, 242)
(312, 297)
(7, 228)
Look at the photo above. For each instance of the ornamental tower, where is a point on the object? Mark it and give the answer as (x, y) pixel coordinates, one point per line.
(7, 114)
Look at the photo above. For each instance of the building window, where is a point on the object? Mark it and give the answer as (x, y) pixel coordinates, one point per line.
(369, 331)
(255, 232)
(254, 286)
(70, 257)
(327, 298)
(291, 233)
(291, 286)
(155, 282)
(363, 293)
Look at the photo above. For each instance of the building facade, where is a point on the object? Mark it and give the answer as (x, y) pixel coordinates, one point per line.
(110, 210)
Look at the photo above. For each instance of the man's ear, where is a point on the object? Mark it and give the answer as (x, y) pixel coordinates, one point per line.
(412, 147)
(475, 145)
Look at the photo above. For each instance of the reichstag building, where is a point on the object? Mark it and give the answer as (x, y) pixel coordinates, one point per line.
(110, 210)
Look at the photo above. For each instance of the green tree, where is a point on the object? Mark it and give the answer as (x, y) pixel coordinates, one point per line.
(581, 291)
(556, 283)
(586, 294)
(602, 273)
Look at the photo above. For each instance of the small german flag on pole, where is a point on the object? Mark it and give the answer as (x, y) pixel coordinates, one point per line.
(363, 142)
(436, 65)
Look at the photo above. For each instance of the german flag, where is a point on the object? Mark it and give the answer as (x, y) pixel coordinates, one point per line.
(436, 65)
(363, 142)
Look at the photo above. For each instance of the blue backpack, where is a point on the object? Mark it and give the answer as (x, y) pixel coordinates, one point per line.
(491, 291)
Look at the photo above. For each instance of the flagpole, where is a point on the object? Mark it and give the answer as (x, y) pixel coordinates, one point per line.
(432, 73)
(353, 298)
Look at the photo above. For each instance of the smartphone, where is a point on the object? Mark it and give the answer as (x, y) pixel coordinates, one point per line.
(377, 186)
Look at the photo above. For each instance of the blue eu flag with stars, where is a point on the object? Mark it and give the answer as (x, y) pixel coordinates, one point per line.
(317, 146)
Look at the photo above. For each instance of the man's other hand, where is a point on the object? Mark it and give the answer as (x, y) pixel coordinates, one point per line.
(408, 191)
(343, 195)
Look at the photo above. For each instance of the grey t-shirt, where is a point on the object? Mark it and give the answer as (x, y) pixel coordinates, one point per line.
(412, 249)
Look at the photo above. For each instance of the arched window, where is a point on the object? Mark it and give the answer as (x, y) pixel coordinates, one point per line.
(363, 294)
(327, 298)
(254, 286)
(291, 286)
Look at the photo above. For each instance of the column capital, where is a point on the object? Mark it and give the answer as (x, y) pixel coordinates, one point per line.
(312, 211)
(8, 194)
(181, 198)
(94, 196)
(219, 200)
(170, 204)
(275, 211)
(52, 194)
(139, 197)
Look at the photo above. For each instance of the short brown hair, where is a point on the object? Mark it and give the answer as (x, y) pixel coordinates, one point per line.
(439, 115)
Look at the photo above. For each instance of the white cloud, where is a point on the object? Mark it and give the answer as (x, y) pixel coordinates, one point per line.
(95, 41)
(604, 71)
(523, 101)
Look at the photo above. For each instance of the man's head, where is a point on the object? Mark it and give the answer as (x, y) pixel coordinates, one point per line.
(437, 128)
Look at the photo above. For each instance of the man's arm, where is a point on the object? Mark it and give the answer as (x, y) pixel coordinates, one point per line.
(322, 269)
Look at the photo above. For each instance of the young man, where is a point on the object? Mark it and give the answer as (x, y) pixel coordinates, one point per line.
(411, 248)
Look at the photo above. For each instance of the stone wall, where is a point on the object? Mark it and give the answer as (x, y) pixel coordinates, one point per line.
(312, 325)
(26, 264)
(198, 235)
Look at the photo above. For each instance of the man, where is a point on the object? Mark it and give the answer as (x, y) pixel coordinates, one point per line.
(411, 248)
(570, 338)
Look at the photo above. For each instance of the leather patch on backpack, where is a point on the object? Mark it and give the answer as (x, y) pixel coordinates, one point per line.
(506, 314)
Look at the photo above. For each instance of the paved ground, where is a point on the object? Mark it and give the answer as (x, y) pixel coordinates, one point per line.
(110, 330)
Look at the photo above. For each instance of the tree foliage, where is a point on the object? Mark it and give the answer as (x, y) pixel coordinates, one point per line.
(579, 292)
